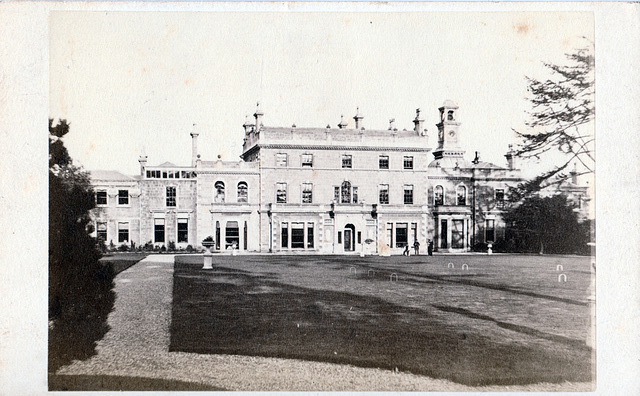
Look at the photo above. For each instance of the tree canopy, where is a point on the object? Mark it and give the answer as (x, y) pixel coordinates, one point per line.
(562, 106)
(547, 225)
(80, 287)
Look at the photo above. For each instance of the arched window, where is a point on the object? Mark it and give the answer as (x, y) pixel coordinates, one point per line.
(345, 192)
(243, 192)
(219, 187)
(461, 195)
(438, 196)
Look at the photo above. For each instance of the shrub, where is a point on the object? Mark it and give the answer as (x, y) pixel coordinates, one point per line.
(123, 248)
(171, 246)
(189, 248)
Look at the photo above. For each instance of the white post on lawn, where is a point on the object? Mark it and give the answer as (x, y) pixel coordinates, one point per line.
(489, 248)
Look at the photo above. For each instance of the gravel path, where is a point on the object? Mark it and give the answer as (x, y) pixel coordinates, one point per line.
(138, 346)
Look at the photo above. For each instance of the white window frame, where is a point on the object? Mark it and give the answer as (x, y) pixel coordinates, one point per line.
(279, 160)
(166, 196)
(302, 191)
(435, 188)
(380, 189)
(246, 196)
(405, 188)
(383, 157)
(343, 158)
(306, 164)
(126, 196)
(286, 192)
(106, 196)
(404, 162)
(458, 187)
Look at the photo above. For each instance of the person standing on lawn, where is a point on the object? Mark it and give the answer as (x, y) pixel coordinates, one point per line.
(406, 250)
(430, 248)
(416, 248)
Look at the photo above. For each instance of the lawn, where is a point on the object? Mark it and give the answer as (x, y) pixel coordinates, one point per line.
(506, 320)
(121, 261)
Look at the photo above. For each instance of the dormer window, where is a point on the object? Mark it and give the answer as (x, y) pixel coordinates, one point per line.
(450, 115)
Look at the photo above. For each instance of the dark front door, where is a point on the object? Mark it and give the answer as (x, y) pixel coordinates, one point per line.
(349, 235)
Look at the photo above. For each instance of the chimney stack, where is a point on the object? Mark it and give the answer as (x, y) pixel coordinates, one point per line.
(574, 174)
(247, 126)
(258, 116)
(511, 158)
(143, 163)
(194, 146)
(418, 122)
(358, 118)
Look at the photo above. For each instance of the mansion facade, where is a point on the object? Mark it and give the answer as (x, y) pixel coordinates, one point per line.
(315, 190)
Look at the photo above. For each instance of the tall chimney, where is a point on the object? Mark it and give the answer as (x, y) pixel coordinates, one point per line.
(143, 163)
(247, 126)
(511, 158)
(418, 122)
(258, 116)
(358, 118)
(574, 174)
(194, 146)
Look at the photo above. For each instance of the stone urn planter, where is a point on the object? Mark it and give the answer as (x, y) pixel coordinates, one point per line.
(208, 255)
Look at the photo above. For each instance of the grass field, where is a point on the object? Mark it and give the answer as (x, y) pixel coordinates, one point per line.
(121, 261)
(505, 320)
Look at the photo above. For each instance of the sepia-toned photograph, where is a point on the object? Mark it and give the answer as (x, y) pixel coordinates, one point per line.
(321, 201)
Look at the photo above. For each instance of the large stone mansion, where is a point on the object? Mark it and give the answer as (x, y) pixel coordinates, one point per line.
(315, 190)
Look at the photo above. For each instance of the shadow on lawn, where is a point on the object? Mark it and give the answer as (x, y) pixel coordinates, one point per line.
(228, 311)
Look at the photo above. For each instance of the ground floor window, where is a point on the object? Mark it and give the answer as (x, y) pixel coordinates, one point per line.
(401, 235)
(297, 235)
(457, 234)
(489, 230)
(101, 231)
(284, 235)
(413, 236)
(390, 234)
(183, 230)
(123, 232)
(310, 235)
(158, 230)
(232, 235)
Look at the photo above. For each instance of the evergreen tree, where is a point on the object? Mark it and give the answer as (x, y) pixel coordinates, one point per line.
(547, 225)
(80, 287)
(562, 108)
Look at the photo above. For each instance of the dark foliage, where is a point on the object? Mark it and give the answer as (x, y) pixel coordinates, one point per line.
(545, 225)
(80, 287)
(561, 107)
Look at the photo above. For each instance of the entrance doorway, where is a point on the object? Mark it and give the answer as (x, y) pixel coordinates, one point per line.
(349, 236)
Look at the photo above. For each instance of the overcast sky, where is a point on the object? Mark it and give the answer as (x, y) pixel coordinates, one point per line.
(129, 82)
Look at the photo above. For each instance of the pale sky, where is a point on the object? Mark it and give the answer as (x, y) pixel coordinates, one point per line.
(129, 82)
